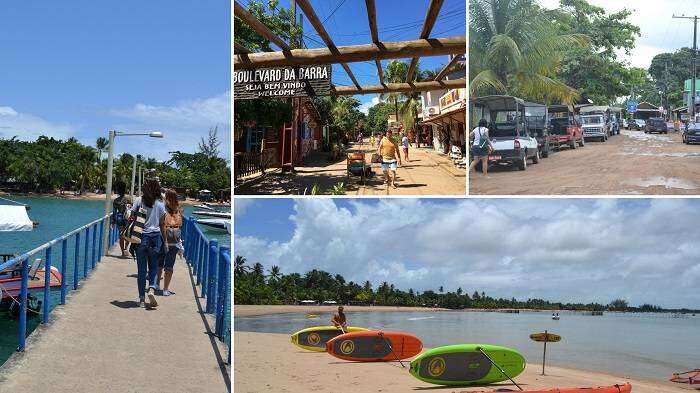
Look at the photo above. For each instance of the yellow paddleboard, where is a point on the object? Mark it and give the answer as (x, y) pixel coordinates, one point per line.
(315, 338)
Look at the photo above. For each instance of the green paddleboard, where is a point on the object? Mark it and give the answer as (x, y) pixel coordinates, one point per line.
(464, 364)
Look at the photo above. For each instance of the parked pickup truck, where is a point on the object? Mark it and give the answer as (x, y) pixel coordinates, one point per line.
(596, 122)
(511, 142)
(565, 130)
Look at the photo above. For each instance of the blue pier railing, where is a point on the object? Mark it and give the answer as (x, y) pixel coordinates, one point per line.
(93, 244)
(211, 265)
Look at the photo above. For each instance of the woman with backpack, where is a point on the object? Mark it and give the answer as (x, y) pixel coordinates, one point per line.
(150, 212)
(172, 233)
(481, 148)
(119, 207)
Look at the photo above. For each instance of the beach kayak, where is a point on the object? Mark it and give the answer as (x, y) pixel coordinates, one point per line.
(316, 337)
(374, 346)
(465, 364)
(626, 388)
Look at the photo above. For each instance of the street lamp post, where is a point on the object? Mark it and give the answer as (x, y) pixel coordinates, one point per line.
(133, 177)
(108, 189)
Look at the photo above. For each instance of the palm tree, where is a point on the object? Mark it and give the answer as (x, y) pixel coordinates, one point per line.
(274, 274)
(395, 72)
(239, 267)
(515, 49)
(101, 143)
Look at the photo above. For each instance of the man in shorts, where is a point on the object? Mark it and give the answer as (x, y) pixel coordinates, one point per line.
(389, 150)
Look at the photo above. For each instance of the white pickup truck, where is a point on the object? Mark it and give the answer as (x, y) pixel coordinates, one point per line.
(509, 137)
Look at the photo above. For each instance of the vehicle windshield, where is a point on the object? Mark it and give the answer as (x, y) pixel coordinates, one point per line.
(592, 119)
(504, 125)
(559, 125)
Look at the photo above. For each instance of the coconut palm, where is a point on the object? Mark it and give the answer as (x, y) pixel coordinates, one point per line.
(395, 72)
(239, 266)
(515, 49)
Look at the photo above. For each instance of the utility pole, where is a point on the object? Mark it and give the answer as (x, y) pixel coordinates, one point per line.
(695, 60)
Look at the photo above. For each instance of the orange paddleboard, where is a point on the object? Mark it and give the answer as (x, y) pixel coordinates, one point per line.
(374, 346)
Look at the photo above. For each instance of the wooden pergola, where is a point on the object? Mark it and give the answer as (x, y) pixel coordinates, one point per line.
(378, 50)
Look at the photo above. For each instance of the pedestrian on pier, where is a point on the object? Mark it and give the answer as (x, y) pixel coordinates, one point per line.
(172, 234)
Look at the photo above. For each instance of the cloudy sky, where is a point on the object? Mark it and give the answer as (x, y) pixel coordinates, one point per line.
(659, 31)
(645, 251)
(82, 67)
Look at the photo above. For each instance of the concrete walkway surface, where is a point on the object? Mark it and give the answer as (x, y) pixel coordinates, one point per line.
(100, 341)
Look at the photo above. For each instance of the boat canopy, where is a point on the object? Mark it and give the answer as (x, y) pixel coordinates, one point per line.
(14, 218)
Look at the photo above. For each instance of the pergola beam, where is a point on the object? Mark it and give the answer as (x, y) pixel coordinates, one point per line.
(238, 48)
(318, 26)
(430, 19)
(400, 87)
(372, 20)
(353, 53)
(258, 26)
(446, 68)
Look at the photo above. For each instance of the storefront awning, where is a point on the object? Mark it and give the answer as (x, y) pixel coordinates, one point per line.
(458, 115)
(14, 218)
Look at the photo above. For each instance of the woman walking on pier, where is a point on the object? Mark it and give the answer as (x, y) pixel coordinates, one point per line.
(150, 206)
(172, 226)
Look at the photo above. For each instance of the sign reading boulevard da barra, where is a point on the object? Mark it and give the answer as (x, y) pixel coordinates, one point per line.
(299, 81)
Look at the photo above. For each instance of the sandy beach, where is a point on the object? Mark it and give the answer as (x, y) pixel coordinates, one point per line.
(86, 196)
(266, 362)
(252, 310)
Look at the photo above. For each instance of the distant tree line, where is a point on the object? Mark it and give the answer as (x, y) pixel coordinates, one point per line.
(52, 165)
(255, 285)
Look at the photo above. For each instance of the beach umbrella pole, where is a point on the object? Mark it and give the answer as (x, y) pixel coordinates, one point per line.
(544, 352)
(499, 367)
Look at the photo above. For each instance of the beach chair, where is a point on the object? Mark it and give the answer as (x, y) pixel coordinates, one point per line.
(357, 166)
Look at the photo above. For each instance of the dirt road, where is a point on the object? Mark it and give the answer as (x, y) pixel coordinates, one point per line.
(427, 173)
(631, 163)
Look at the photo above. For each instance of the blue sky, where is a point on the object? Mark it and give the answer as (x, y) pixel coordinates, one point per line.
(577, 250)
(81, 67)
(397, 20)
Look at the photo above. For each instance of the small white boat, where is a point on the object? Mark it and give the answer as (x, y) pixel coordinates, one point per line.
(205, 207)
(217, 223)
(555, 317)
(213, 214)
(14, 218)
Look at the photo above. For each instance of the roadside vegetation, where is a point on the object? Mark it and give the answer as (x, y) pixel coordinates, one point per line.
(255, 285)
(49, 165)
(558, 56)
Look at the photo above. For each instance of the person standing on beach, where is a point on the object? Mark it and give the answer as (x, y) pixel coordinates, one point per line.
(404, 146)
(172, 227)
(151, 239)
(339, 320)
(119, 207)
(389, 151)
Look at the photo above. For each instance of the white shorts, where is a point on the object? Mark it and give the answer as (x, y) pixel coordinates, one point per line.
(388, 165)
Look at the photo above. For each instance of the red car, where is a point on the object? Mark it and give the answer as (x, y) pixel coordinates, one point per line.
(564, 128)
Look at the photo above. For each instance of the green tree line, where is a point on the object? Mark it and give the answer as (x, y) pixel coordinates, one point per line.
(51, 165)
(255, 285)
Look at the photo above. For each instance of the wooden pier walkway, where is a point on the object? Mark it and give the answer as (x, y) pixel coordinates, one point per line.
(100, 341)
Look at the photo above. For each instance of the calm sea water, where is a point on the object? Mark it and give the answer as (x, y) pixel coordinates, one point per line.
(57, 216)
(642, 345)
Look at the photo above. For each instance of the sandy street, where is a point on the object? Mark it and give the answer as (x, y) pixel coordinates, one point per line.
(427, 173)
(266, 362)
(630, 163)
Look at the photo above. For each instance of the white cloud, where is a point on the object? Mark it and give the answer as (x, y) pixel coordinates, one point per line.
(364, 108)
(568, 250)
(196, 113)
(29, 127)
(241, 206)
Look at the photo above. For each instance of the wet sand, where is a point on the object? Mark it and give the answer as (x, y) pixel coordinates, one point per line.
(265, 362)
(252, 310)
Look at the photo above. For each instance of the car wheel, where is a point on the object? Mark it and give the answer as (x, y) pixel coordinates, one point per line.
(522, 165)
(536, 157)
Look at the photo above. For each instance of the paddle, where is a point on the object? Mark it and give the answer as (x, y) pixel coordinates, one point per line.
(498, 367)
(392, 349)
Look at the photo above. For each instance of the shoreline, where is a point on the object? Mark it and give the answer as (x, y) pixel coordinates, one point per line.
(87, 196)
(257, 356)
